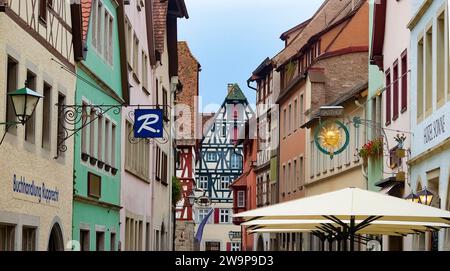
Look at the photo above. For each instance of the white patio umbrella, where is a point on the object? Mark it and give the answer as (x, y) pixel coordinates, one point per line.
(355, 211)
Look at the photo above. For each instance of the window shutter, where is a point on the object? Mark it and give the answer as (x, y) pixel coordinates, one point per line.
(395, 94)
(388, 97)
(404, 81)
(228, 246)
(216, 215)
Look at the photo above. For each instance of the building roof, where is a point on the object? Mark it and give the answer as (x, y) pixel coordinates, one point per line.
(160, 8)
(86, 7)
(328, 14)
(286, 34)
(236, 94)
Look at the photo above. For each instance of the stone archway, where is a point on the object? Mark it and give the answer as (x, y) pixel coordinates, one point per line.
(260, 244)
(56, 241)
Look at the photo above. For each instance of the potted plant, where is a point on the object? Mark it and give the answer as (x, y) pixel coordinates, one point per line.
(372, 149)
(84, 156)
(100, 164)
(93, 160)
(114, 171)
(107, 167)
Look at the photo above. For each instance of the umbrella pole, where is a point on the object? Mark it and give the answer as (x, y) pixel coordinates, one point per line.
(352, 233)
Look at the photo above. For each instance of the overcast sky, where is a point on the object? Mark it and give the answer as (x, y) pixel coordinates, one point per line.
(230, 38)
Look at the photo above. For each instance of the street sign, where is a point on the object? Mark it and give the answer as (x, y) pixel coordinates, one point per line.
(148, 123)
(331, 111)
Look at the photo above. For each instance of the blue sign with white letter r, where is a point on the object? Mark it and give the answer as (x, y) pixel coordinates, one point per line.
(148, 123)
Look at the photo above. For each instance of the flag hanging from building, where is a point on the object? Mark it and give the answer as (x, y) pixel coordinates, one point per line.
(199, 234)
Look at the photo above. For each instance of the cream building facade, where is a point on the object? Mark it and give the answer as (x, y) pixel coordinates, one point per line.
(36, 178)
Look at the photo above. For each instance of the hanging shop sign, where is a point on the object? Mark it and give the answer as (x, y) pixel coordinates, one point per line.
(148, 123)
(332, 137)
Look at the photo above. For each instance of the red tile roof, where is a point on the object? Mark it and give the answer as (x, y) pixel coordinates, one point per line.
(86, 7)
(160, 8)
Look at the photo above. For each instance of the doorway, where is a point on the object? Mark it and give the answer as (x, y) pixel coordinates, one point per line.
(55, 242)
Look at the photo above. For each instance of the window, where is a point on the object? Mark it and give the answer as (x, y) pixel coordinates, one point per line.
(147, 236)
(395, 90)
(241, 199)
(136, 55)
(157, 241)
(388, 97)
(11, 85)
(203, 182)
(224, 216)
(290, 120)
(165, 104)
(30, 125)
(144, 71)
(312, 159)
(43, 10)
(99, 241)
(7, 236)
(47, 117)
(202, 214)
(224, 182)
(404, 81)
(284, 123)
(28, 239)
(212, 246)
(94, 185)
(420, 79)
(100, 138)
(236, 161)
(235, 246)
(112, 242)
(84, 240)
(113, 145)
(224, 130)
(295, 115)
(301, 172)
(99, 32)
(301, 110)
(61, 103)
(429, 72)
(164, 167)
(107, 141)
(137, 156)
(294, 176)
(440, 69)
(356, 143)
(211, 157)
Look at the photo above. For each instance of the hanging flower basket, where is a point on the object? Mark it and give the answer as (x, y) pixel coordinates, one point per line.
(372, 149)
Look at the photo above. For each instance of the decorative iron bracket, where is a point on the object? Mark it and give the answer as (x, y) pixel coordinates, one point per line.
(75, 118)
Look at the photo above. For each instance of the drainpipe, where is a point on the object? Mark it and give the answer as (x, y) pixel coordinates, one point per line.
(249, 86)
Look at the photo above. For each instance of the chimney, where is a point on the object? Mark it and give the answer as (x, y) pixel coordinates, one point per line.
(230, 88)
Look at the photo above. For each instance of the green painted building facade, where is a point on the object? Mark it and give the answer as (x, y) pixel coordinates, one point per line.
(97, 161)
(374, 168)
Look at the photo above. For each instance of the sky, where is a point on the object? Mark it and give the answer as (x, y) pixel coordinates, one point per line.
(230, 38)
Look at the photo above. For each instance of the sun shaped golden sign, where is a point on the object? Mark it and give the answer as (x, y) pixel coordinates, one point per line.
(331, 138)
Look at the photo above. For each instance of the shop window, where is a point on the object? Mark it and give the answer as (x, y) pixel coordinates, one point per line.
(84, 240)
(28, 238)
(99, 241)
(7, 236)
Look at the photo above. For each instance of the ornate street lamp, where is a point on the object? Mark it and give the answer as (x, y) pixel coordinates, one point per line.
(425, 197)
(191, 198)
(24, 102)
(413, 197)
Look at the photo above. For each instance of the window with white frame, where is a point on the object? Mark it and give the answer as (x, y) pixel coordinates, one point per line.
(137, 156)
(211, 156)
(203, 182)
(7, 237)
(224, 216)
(202, 214)
(103, 31)
(236, 161)
(241, 199)
(235, 246)
(224, 182)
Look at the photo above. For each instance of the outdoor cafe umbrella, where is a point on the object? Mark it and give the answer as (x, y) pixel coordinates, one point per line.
(353, 209)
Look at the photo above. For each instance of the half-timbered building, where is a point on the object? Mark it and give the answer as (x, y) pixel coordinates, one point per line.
(39, 45)
(219, 164)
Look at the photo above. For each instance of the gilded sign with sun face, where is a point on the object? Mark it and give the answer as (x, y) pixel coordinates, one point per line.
(332, 137)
